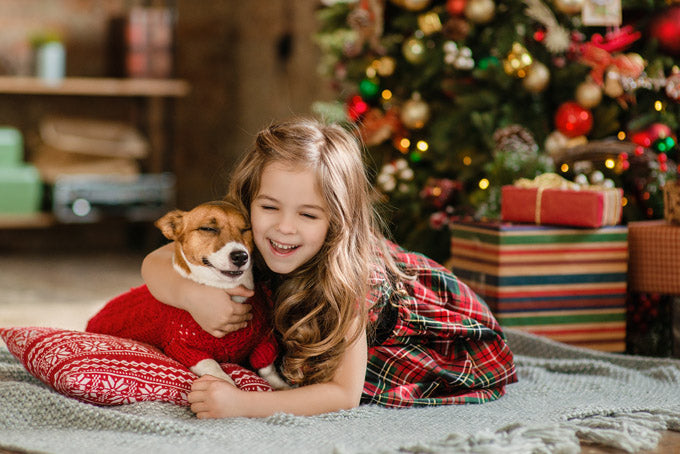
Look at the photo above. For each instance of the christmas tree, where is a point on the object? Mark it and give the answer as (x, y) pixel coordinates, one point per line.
(455, 98)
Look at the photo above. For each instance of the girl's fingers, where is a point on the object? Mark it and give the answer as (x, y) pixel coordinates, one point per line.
(202, 383)
(200, 407)
(226, 329)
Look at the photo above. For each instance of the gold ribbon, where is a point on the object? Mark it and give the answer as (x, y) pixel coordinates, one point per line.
(554, 181)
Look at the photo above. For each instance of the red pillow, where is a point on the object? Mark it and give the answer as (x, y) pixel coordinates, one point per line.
(108, 370)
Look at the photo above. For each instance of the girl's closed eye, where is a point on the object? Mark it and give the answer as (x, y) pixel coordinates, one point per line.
(310, 215)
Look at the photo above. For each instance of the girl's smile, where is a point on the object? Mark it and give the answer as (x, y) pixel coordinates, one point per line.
(288, 216)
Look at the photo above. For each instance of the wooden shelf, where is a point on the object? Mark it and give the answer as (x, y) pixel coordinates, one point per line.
(95, 86)
(21, 221)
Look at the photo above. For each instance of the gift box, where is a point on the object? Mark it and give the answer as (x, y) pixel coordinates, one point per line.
(11, 147)
(654, 262)
(568, 284)
(671, 202)
(653, 324)
(549, 206)
(20, 190)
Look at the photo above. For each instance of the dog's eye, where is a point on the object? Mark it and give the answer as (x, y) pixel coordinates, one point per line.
(208, 229)
(246, 230)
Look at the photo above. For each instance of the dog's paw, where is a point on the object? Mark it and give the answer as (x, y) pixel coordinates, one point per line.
(273, 378)
(211, 367)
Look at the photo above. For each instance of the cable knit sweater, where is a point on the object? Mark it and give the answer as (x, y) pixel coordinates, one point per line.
(138, 315)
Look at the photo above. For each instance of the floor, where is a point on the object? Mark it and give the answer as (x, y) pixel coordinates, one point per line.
(64, 290)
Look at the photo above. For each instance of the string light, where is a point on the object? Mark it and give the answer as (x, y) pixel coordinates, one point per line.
(467, 160)
(621, 135)
(564, 167)
(609, 163)
(658, 106)
(483, 183)
(386, 95)
(422, 145)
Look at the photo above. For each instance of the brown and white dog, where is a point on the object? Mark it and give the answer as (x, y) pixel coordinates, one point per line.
(213, 246)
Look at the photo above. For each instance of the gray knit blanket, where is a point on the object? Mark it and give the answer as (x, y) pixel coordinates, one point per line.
(563, 394)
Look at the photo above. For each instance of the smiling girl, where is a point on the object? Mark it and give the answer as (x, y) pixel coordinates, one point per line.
(359, 319)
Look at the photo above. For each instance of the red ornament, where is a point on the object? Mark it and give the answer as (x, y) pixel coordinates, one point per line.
(666, 29)
(356, 107)
(659, 131)
(455, 7)
(539, 35)
(642, 138)
(572, 120)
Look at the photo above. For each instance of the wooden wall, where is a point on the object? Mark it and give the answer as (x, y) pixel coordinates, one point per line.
(248, 62)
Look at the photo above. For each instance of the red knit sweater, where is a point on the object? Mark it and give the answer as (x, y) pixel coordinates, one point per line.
(138, 315)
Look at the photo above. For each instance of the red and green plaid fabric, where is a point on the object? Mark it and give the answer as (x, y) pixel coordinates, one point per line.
(446, 347)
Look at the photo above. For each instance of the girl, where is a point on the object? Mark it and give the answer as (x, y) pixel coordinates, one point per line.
(359, 319)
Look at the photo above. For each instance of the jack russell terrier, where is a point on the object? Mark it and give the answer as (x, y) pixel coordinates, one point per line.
(213, 246)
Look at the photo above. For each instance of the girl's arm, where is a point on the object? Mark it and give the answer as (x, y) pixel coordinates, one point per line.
(212, 308)
(214, 398)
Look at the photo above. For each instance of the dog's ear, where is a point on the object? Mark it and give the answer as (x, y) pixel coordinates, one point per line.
(172, 224)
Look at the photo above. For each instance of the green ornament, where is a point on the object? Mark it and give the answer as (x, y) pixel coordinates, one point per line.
(369, 88)
(487, 62)
(664, 145)
(415, 156)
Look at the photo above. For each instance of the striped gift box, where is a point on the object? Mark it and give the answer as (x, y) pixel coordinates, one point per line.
(568, 284)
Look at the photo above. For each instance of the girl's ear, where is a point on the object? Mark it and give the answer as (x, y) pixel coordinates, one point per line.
(172, 224)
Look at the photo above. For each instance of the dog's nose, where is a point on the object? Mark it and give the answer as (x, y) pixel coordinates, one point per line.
(239, 258)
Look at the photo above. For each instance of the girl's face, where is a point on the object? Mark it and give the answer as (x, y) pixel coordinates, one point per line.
(288, 216)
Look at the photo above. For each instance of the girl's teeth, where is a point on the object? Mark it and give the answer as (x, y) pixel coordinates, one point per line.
(281, 246)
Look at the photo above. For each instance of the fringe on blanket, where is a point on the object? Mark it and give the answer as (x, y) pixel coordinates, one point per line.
(630, 432)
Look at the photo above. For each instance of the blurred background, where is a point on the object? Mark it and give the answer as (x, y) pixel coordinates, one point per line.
(210, 76)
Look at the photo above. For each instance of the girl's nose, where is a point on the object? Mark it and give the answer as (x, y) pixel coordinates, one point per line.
(286, 225)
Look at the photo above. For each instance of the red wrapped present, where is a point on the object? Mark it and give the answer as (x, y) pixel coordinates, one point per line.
(551, 200)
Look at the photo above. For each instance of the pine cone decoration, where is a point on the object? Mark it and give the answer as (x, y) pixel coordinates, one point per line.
(514, 138)
(456, 29)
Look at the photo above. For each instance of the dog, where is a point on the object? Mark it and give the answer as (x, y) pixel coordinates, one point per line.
(213, 246)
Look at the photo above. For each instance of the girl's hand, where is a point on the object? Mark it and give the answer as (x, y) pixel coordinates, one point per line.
(211, 397)
(214, 310)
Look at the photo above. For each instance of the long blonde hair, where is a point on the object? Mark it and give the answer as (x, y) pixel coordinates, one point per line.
(316, 305)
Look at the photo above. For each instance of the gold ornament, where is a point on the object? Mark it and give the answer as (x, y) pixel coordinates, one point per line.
(538, 76)
(480, 11)
(414, 50)
(555, 142)
(415, 112)
(612, 84)
(518, 61)
(413, 5)
(569, 6)
(429, 23)
(588, 94)
(384, 66)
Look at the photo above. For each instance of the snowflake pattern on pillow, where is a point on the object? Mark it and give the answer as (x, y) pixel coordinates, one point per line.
(108, 370)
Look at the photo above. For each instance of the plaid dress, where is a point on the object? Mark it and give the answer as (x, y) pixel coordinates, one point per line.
(435, 341)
